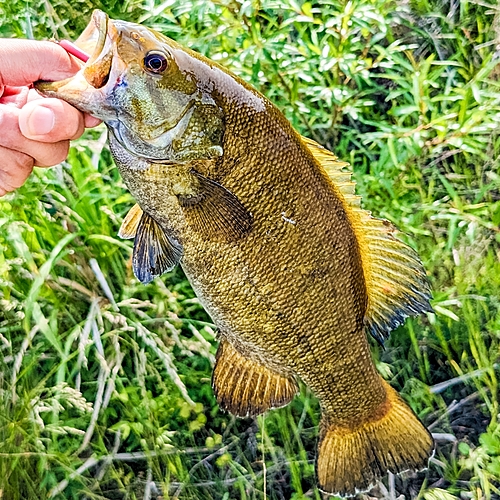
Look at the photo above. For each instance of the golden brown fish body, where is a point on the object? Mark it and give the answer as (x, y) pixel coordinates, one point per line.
(291, 293)
(281, 256)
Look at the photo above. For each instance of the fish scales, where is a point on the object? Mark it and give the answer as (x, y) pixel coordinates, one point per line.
(274, 313)
(269, 232)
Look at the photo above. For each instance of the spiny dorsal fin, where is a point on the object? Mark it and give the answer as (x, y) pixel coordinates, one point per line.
(396, 282)
(130, 222)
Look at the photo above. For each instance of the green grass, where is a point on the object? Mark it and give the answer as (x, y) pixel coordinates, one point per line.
(105, 383)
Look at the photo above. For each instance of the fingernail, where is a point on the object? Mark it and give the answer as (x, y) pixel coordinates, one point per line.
(41, 120)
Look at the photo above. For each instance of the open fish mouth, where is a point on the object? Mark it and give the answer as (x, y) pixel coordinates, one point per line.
(97, 40)
(98, 34)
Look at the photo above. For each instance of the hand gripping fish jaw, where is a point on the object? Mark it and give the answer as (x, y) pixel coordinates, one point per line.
(127, 62)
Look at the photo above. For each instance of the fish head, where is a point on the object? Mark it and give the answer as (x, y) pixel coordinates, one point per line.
(153, 94)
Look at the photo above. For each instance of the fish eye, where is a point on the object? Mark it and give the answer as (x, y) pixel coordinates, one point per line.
(155, 62)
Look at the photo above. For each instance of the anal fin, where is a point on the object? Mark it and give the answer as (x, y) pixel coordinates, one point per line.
(155, 251)
(247, 388)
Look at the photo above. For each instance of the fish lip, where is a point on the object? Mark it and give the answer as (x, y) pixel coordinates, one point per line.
(98, 26)
(96, 39)
(97, 69)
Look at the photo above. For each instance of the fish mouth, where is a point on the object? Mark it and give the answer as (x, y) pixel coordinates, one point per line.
(97, 39)
(100, 32)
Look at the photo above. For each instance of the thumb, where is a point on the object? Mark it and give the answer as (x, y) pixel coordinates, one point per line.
(50, 120)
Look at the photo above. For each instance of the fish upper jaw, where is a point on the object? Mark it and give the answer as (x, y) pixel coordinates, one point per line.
(89, 88)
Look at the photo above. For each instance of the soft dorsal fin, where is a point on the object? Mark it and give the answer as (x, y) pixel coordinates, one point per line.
(396, 282)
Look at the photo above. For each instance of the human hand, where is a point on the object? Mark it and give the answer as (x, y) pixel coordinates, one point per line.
(34, 130)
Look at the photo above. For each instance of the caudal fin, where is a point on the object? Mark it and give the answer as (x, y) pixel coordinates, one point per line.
(350, 461)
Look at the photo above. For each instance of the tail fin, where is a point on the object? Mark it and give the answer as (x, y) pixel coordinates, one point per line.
(352, 460)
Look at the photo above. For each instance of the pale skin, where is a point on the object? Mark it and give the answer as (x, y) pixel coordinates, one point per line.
(34, 130)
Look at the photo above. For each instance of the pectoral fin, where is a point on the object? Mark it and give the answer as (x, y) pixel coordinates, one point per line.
(247, 388)
(155, 251)
(128, 229)
(214, 211)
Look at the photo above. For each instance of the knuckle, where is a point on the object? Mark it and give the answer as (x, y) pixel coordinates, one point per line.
(26, 163)
(9, 124)
(25, 169)
(15, 170)
(52, 154)
(78, 126)
(20, 179)
(61, 153)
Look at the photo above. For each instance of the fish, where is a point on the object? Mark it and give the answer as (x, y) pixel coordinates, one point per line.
(271, 235)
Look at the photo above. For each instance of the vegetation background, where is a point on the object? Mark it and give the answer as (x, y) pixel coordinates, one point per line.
(105, 383)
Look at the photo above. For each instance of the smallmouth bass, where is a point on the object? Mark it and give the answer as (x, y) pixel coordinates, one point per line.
(269, 232)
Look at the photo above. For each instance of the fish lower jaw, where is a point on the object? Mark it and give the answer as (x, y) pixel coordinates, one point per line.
(77, 92)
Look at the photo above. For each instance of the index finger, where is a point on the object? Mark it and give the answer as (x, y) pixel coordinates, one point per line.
(23, 62)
